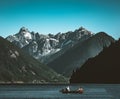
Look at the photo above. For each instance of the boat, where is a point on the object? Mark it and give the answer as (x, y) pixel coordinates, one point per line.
(72, 91)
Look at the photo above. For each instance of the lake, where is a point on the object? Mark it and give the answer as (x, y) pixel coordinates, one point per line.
(91, 91)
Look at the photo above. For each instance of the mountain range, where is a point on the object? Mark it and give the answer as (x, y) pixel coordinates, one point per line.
(104, 68)
(18, 67)
(42, 46)
(62, 52)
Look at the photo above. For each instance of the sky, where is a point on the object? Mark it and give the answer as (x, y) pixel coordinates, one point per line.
(53, 16)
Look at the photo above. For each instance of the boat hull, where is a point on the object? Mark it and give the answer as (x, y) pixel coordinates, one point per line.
(74, 91)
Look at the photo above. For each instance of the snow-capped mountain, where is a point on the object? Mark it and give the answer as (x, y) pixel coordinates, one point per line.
(42, 46)
(22, 38)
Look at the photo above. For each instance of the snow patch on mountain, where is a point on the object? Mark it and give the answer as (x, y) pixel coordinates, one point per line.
(27, 35)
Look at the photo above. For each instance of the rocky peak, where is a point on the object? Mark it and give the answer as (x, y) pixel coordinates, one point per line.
(23, 30)
(25, 33)
(83, 31)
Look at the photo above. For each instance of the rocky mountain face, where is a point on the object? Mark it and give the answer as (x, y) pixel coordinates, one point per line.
(22, 38)
(104, 68)
(42, 47)
(18, 67)
(79, 53)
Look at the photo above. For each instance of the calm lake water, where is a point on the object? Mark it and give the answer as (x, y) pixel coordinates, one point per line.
(91, 91)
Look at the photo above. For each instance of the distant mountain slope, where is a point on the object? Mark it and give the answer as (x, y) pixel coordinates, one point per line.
(42, 46)
(104, 68)
(17, 67)
(79, 53)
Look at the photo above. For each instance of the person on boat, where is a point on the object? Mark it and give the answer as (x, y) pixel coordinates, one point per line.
(68, 88)
(80, 90)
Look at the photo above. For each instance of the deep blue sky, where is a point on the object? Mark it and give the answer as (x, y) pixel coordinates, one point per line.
(53, 16)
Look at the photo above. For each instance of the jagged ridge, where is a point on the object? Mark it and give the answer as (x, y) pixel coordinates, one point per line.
(43, 46)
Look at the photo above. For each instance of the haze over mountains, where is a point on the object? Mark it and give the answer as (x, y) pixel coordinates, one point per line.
(62, 52)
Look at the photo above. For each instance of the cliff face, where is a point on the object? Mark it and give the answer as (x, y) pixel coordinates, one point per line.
(104, 68)
(18, 67)
(79, 53)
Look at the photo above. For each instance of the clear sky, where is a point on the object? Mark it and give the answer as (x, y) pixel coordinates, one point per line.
(53, 16)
